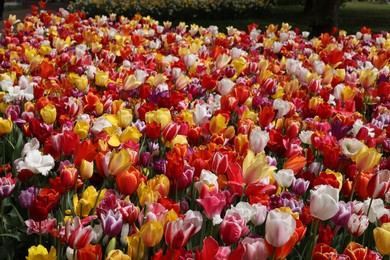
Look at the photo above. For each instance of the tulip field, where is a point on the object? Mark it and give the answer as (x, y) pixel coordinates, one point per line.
(130, 138)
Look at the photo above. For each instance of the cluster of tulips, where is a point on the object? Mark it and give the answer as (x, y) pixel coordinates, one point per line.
(133, 139)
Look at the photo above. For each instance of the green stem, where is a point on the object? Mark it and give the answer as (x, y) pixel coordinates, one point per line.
(354, 185)
(315, 229)
(139, 248)
(97, 198)
(2, 222)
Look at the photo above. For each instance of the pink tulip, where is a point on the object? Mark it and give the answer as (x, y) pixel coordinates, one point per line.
(232, 228)
(279, 227)
(254, 248)
(213, 204)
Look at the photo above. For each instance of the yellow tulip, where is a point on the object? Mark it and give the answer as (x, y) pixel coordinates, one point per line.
(40, 253)
(366, 158)
(161, 116)
(146, 194)
(117, 254)
(151, 233)
(218, 124)
(170, 216)
(130, 133)
(88, 201)
(367, 77)
(161, 184)
(86, 169)
(135, 247)
(82, 129)
(255, 167)
(81, 83)
(382, 238)
(101, 78)
(239, 65)
(187, 117)
(119, 162)
(125, 117)
(5, 126)
(348, 93)
(49, 114)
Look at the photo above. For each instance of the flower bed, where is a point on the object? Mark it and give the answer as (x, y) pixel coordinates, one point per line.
(129, 138)
(171, 9)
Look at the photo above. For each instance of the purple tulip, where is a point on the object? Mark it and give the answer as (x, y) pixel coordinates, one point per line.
(299, 186)
(7, 186)
(342, 216)
(111, 223)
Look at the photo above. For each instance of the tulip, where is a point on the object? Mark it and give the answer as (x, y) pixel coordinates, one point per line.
(49, 114)
(256, 168)
(5, 126)
(258, 140)
(219, 163)
(213, 204)
(218, 123)
(382, 238)
(119, 162)
(225, 86)
(161, 184)
(259, 215)
(135, 247)
(178, 232)
(77, 236)
(357, 224)
(284, 177)
(170, 131)
(82, 129)
(232, 228)
(86, 169)
(201, 114)
(379, 184)
(194, 217)
(254, 248)
(101, 78)
(342, 216)
(279, 227)
(350, 146)
(324, 202)
(127, 182)
(151, 233)
(125, 117)
(7, 186)
(90, 252)
(299, 186)
(117, 254)
(366, 158)
(40, 252)
(36, 163)
(111, 223)
(69, 176)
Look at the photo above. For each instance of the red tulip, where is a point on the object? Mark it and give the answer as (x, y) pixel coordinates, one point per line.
(379, 184)
(153, 130)
(178, 232)
(220, 163)
(69, 176)
(170, 131)
(76, 235)
(127, 181)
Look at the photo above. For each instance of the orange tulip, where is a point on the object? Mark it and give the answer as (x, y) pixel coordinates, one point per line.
(295, 163)
(127, 181)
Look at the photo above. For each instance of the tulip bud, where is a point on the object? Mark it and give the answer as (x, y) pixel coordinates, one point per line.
(69, 176)
(258, 140)
(379, 184)
(86, 169)
(49, 114)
